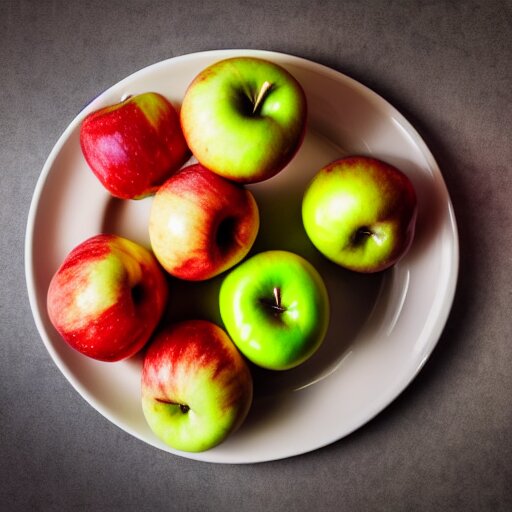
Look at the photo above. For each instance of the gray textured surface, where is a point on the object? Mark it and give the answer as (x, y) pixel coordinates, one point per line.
(446, 443)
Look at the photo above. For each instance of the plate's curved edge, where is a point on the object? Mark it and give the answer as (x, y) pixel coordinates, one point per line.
(30, 227)
(434, 336)
(30, 278)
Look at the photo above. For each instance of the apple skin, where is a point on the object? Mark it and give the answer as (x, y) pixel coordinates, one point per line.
(196, 387)
(360, 213)
(134, 146)
(275, 307)
(107, 297)
(201, 224)
(224, 133)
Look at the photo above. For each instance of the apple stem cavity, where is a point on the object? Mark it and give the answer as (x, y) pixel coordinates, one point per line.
(137, 293)
(264, 90)
(184, 408)
(225, 236)
(274, 305)
(361, 235)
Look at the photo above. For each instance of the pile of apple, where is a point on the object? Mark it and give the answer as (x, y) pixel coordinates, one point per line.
(243, 119)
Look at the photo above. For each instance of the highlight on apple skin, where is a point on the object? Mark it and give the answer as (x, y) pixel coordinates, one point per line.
(196, 387)
(360, 213)
(275, 307)
(134, 146)
(201, 224)
(244, 118)
(107, 297)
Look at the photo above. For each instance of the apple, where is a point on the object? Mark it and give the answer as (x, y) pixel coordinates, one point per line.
(107, 297)
(275, 307)
(196, 387)
(360, 213)
(201, 224)
(134, 146)
(244, 118)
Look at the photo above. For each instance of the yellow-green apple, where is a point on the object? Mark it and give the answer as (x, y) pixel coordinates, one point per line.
(275, 307)
(107, 297)
(244, 118)
(201, 224)
(360, 212)
(135, 145)
(196, 387)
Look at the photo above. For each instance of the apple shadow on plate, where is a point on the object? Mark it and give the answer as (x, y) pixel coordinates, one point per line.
(128, 218)
(352, 296)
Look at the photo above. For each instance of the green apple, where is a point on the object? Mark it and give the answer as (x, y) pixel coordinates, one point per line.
(196, 387)
(275, 307)
(360, 213)
(244, 118)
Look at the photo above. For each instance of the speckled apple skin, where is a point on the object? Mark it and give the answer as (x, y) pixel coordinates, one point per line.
(134, 146)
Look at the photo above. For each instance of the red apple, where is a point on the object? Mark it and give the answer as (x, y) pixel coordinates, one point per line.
(201, 224)
(107, 297)
(135, 145)
(196, 387)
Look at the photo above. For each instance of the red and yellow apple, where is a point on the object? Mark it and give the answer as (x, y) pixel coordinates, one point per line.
(107, 297)
(360, 212)
(244, 118)
(196, 387)
(134, 146)
(201, 224)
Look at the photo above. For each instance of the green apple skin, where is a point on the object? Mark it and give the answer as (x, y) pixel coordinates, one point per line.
(234, 133)
(107, 297)
(275, 307)
(196, 387)
(360, 213)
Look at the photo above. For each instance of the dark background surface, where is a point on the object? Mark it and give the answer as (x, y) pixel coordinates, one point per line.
(446, 442)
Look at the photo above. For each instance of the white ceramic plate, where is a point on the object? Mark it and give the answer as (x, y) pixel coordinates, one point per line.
(383, 327)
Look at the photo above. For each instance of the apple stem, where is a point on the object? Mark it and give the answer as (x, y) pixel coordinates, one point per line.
(274, 305)
(277, 307)
(277, 297)
(261, 94)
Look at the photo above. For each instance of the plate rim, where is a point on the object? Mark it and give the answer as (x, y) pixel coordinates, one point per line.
(444, 307)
